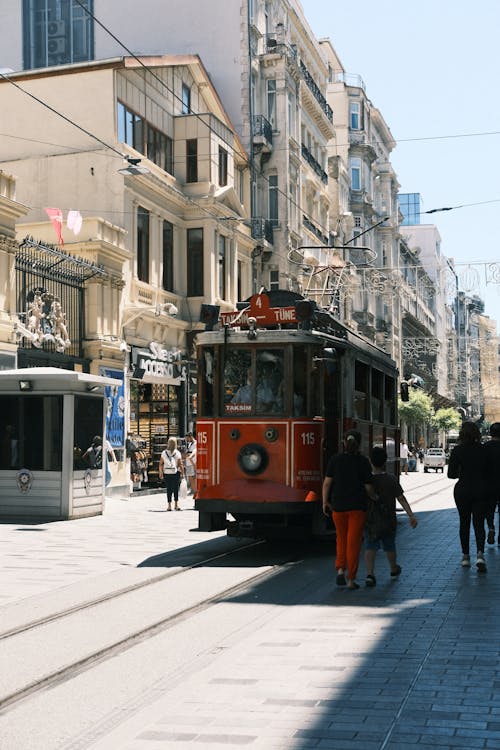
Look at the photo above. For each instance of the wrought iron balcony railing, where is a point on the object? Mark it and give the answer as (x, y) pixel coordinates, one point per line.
(262, 229)
(313, 86)
(314, 164)
(262, 128)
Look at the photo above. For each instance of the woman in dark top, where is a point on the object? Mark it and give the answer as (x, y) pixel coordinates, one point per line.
(468, 465)
(492, 451)
(346, 487)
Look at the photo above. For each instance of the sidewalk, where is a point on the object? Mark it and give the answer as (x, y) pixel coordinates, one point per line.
(43, 557)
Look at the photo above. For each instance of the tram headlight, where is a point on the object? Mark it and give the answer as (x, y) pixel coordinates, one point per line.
(253, 459)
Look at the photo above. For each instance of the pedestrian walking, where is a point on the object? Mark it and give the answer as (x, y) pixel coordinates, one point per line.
(383, 531)
(492, 451)
(346, 487)
(171, 471)
(403, 455)
(468, 464)
(190, 462)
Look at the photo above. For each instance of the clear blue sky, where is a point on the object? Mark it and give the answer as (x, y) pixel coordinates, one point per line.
(432, 68)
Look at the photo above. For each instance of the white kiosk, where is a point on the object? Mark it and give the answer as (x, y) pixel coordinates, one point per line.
(49, 418)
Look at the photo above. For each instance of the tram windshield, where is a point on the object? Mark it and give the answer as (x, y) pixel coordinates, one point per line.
(253, 381)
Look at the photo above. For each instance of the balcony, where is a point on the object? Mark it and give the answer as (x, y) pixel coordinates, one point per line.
(262, 133)
(262, 229)
(314, 88)
(323, 238)
(350, 79)
(273, 45)
(314, 164)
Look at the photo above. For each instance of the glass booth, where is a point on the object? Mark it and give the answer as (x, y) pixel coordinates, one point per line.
(52, 444)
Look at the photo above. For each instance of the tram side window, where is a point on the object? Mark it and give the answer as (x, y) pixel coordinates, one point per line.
(390, 400)
(206, 382)
(300, 369)
(361, 390)
(377, 395)
(237, 382)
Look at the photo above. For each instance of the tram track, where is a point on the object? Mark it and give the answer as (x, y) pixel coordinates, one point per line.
(87, 604)
(39, 645)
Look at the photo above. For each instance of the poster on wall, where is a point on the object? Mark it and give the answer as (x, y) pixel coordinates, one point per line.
(115, 407)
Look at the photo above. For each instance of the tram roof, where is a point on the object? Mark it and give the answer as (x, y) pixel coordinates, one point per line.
(265, 337)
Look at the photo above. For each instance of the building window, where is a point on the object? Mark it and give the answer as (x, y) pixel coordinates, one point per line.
(143, 244)
(355, 116)
(168, 256)
(271, 102)
(186, 99)
(195, 262)
(130, 128)
(192, 160)
(222, 266)
(274, 280)
(57, 33)
(222, 166)
(160, 149)
(355, 166)
(273, 199)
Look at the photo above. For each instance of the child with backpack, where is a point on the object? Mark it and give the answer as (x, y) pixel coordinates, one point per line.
(381, 521)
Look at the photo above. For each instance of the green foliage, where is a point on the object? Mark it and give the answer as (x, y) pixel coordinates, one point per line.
(447, 419)
(418, 410)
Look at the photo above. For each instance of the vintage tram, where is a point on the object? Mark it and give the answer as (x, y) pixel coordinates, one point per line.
(279, 382)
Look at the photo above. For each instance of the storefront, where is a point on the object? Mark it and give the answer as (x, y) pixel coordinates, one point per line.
(158, 398)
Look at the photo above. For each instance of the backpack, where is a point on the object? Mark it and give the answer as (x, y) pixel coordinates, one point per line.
(95, 457)
(379, 520)
(169, 463)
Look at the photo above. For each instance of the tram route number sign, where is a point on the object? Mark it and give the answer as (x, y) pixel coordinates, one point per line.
(263, 313)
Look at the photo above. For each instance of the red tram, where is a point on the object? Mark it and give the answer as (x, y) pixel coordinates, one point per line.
(279, 383)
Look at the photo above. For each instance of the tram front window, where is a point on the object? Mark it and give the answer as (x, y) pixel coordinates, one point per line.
(253, 384)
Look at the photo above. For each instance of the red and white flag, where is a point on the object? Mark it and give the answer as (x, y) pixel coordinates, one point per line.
(56, 217)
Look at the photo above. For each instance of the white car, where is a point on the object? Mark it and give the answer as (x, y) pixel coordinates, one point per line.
(434, 458)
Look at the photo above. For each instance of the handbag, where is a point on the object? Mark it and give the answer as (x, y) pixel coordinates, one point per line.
(379, 520)
(183, 492)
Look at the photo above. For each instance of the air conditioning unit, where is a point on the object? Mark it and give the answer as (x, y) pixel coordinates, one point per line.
(56, 46)
(56, 28)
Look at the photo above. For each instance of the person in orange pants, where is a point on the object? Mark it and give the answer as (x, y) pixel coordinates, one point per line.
(346, 487)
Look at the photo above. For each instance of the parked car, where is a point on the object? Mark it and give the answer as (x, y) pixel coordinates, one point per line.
(434, 458)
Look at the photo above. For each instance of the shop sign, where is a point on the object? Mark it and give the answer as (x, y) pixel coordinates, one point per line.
(158, 365)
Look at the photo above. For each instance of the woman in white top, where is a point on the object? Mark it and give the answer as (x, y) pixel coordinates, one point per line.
(171, 471)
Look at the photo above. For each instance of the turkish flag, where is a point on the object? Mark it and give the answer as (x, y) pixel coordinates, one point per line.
(56, 217)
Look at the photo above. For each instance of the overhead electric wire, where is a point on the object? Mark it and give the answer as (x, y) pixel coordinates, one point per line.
(243, 155)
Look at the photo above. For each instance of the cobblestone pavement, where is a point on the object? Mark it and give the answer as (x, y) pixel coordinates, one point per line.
(411, 663)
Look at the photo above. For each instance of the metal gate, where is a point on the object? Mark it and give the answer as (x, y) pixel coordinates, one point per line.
(50, 286)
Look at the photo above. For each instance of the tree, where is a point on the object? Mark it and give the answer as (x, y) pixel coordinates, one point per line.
(417, 412)
(447, 419)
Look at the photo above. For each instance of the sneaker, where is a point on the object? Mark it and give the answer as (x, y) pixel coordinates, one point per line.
(480, 563)
(465, 561)
(396, 571)
(371, 581)
(491, 536)
(341, 580)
